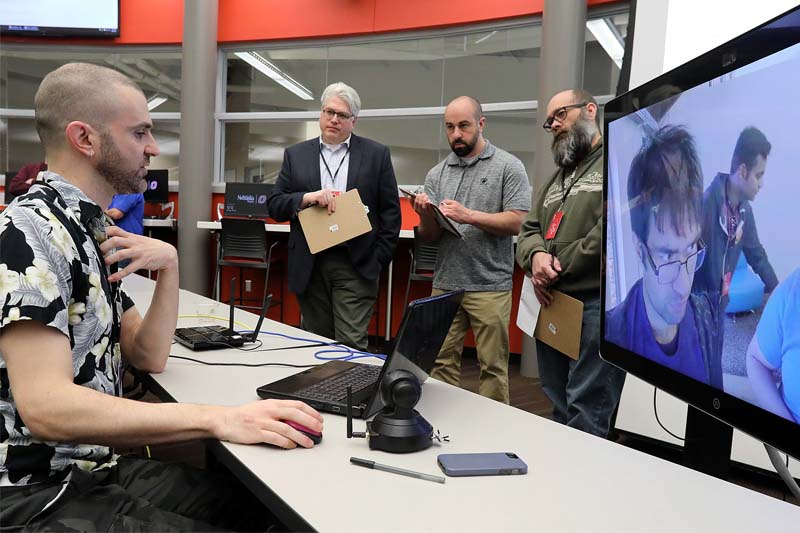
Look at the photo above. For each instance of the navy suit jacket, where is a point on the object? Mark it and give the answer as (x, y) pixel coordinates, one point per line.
(370, 171)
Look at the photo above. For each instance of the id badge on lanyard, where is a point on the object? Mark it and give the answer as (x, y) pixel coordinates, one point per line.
(552, 229)
(555, 222)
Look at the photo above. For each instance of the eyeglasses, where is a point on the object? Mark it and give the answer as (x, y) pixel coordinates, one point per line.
(330, 113)
(560, 115)
(668, 272)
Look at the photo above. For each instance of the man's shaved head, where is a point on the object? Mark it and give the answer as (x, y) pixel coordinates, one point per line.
(76, 91)
(477, 110)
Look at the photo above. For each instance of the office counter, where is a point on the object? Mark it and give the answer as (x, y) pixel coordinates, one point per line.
(576, 482)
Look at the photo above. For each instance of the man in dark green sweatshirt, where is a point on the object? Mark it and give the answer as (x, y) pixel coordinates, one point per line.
(559, 246)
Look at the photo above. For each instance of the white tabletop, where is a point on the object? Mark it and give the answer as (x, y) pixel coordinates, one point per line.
(159, 222)
(576, 482)
(282, 228)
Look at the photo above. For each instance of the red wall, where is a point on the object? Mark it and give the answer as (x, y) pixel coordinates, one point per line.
(254, 20)
(161, 21)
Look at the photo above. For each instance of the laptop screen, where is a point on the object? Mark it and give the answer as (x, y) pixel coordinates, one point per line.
(425, 325)
(247, 199)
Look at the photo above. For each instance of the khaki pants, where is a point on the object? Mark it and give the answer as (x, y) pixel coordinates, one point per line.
(488, 314)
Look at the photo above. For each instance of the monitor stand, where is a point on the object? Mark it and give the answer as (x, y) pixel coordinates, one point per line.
(708, 443)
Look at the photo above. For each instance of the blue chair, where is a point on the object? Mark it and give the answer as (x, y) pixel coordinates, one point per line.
(746, 291)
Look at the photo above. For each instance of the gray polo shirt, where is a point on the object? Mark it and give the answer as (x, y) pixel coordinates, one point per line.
(494, 182)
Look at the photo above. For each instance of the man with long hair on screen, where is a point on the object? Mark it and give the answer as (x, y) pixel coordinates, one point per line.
(660, 318)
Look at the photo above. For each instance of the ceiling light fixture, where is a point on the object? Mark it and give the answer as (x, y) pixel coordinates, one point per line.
(609, 38)
(486, 37)
(155, 101)
(259, 63)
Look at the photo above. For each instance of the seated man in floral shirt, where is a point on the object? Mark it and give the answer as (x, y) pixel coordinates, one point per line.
(67, 326)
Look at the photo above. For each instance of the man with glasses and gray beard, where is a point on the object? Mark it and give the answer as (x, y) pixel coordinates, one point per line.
(559, 245)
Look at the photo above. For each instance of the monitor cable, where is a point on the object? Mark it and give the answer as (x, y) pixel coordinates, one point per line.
(782, 468)
(655, 411)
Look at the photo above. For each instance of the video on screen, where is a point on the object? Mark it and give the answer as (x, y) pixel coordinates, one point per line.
(703, 250)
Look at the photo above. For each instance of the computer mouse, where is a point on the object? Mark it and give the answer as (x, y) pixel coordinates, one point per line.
(315, 436)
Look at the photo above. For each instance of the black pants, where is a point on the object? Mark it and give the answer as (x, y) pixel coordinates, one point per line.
(135, 495)
(338, 302)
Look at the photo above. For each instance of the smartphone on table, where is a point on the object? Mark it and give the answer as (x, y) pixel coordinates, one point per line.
(482, 464)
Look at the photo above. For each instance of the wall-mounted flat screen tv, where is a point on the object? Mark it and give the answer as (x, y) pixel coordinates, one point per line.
(57, 18)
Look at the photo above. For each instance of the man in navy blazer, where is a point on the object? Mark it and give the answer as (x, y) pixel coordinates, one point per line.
(337, 288)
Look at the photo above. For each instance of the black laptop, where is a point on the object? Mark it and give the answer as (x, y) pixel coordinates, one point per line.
(247, 199)
(201, 338)
(422, 332)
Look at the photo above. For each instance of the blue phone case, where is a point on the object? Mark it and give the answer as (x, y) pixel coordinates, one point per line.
(481, 464)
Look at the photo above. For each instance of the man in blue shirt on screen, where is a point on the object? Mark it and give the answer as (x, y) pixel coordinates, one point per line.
(661, 319)
(773, 357)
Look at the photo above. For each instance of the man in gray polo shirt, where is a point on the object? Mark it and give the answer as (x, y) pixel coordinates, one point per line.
(485, 192)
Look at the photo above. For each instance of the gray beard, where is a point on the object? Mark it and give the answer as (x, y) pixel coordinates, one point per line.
(572, 147)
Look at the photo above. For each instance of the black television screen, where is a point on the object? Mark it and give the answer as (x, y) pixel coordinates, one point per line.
(247, 199)
(57, 18)
(701, 268)
(157, 186)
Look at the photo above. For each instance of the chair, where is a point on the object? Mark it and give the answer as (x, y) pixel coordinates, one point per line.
(8, 197)
(243, 244)
(423, 261)
(746, 291)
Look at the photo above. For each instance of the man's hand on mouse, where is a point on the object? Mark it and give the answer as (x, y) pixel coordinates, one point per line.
(260, 422)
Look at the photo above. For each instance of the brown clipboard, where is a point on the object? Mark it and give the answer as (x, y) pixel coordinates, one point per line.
(324, 231)
(559, 324)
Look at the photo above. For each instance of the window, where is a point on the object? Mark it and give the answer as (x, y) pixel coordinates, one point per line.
(404, 81)
(22, 68)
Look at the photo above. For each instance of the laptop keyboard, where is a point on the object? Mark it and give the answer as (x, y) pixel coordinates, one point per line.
(334, 389)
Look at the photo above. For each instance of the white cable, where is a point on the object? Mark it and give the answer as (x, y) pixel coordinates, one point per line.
(783, 470)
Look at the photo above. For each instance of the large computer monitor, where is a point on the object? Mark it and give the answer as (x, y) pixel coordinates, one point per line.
(702, 180)
(247, 199)
(157, 186)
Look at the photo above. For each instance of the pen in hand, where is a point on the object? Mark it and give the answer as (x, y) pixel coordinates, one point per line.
(393, 469)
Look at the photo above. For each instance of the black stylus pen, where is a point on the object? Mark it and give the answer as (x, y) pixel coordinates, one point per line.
(393, 469)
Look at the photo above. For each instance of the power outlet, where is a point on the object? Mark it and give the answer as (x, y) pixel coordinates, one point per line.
(248, 285)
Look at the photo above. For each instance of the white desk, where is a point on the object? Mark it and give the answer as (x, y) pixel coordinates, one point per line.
(282, 228)
(576, 482)
(160, 222)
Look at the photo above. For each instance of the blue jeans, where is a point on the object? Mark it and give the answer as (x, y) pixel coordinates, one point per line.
(584, 392)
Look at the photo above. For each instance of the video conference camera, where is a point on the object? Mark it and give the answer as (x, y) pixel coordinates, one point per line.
(398, 428)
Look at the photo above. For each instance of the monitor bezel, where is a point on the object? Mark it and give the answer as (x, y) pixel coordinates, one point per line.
(760, 42)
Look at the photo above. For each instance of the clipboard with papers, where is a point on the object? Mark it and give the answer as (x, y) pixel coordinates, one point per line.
(324, 231)
(559, 324)
(445, 223)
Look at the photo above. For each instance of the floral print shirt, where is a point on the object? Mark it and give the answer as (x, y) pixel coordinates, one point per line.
(52, 271)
